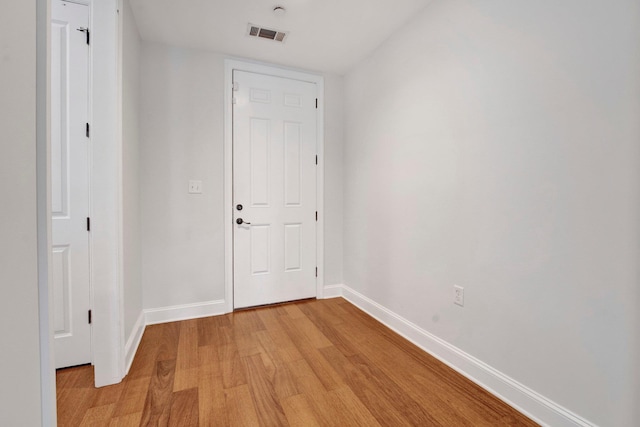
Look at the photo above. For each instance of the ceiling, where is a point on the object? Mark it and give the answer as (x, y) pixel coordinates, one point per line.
(324, 35)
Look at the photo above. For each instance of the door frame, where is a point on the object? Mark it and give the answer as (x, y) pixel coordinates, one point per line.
(272, 70)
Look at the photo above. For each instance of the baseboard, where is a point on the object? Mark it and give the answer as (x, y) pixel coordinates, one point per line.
(527, 401)
(184, 312)
(333, 291)
(131, 347)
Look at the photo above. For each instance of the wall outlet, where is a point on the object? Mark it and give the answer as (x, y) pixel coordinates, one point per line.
(195, 187)
(458, 295)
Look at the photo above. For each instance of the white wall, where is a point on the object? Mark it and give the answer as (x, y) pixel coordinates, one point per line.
(333, 178)
(181, 139)
(132, 285)
(20, 398)
(181, 128)
(495, 145)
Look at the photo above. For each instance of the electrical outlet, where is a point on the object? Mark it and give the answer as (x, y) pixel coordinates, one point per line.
(458, 295)
(195, 187)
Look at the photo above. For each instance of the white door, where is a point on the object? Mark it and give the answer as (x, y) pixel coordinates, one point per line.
(274, 189)
(70, 182)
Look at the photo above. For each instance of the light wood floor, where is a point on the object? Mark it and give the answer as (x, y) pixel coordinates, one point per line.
(312, 363)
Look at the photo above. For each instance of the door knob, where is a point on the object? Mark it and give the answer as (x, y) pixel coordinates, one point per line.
(239, 207)
(240, 221)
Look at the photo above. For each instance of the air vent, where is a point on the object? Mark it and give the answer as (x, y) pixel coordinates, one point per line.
(266, 33)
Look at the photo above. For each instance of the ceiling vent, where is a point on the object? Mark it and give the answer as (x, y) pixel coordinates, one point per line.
(266, 33)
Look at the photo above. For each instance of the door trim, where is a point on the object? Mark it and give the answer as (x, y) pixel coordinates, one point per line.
(261, 68)
(105, 248)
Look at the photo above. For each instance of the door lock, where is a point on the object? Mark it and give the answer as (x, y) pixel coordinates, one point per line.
(239, 207)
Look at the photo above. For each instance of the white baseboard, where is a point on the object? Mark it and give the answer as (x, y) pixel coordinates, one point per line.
(333, 291)
(527, 401)
(131, 347)
(184, 312)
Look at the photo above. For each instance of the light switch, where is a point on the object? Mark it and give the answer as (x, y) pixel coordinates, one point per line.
(195, 187)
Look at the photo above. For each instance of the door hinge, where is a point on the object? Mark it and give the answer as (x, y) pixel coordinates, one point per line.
(316, 159)
(86, 31)
(316, 271)
(86, 132)
(235, 86)
(89, 316)
(316, 102)
(316, 215)
(88, 224)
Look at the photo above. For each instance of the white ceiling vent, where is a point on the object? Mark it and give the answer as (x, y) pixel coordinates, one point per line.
(266, 33)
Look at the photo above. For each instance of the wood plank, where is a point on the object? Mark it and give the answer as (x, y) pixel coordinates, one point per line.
(241, 410)
(329, 407)
(294, 312)
(323, 370)
(233, 371)
(318, 398)
(129, 420)
(187, 358)
(184, 410)
(286, 347)
(245, 322)
(211, 401)
(263, 393)
(382, 403)
(158, 400)
(353, 411)
(329, 324)
(209, 329)
(276, 366)
(299, 412)
(107, 395)
(77, 387)
(133, 397)
(97, 416)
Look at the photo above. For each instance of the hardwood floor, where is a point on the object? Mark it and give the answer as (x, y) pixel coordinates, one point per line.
(311, 363)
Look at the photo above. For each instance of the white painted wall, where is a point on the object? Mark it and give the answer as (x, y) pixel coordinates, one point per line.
(495, 145)
(333, 178)
(132, 285)
(181, 129)
(181, 139)
(20, 391)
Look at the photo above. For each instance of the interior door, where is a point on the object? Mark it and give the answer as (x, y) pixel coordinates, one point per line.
(274, 189)
(70, 182)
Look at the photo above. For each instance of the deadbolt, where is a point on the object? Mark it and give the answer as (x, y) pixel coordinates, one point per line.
(239, 207)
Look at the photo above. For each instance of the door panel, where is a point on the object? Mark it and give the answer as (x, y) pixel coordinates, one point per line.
(61, 290)
(70, 183)
(274, 178)
(292, 167)
(260, 244)
(292, 247)
(259, 162)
